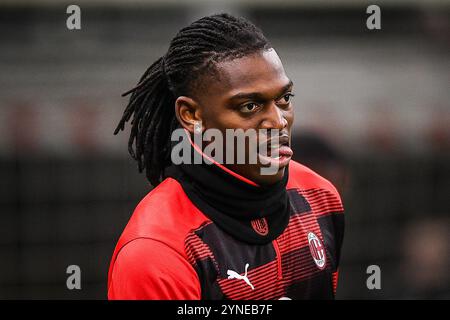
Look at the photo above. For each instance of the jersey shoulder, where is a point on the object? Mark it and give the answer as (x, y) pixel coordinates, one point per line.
(165, 215)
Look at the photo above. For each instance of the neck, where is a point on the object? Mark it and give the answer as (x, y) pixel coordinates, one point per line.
(234, 202)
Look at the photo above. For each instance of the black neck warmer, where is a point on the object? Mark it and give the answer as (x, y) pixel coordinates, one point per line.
(250, 213)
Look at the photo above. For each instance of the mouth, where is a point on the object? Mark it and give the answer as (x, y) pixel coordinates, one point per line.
(278, 152)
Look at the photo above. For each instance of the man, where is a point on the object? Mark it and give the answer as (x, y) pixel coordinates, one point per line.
(221, 230)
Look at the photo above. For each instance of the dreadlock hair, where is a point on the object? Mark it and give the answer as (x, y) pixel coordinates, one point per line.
(192, 53)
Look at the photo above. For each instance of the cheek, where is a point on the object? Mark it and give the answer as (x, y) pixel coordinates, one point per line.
(289, 116)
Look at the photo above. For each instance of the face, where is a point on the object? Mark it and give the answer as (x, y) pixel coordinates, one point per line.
(252, 92)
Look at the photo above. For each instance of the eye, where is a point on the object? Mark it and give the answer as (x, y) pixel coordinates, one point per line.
(286, 98)
(249, 107)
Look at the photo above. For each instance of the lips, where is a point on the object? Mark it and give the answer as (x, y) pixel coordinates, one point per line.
(275, 146)
(278, 152)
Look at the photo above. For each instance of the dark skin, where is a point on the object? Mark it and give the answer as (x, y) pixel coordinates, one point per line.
(252, 92)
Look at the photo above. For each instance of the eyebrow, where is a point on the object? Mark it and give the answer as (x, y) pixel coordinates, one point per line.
(257, 95)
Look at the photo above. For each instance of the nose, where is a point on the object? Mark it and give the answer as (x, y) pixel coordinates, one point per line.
(274, 118)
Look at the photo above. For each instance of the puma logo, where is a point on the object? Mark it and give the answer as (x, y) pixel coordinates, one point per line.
(234, 275)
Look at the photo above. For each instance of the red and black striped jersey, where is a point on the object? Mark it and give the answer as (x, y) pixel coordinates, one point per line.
(171, 250)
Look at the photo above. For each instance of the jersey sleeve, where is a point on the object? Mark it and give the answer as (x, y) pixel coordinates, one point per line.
(147, 269)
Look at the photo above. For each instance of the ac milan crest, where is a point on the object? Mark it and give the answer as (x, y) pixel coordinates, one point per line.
(317, 250)
(260, 226)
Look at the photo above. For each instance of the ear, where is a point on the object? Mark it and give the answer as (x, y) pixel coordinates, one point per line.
(188, 112)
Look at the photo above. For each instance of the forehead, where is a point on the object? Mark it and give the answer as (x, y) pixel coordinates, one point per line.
(260, 72)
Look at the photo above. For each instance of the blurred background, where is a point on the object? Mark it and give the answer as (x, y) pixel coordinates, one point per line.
(372, 115)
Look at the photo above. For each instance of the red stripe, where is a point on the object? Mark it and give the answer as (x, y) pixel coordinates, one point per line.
(335, 281)
(257, 274)
(315, 190)
(262, 295)
(325, 202)
(278, 257)
(293, 237)
(301, 222)
(300, 266)
(323, 196)
(258, 277)
(196, 249)
(322, 203)
(243, 291)
(261, 290)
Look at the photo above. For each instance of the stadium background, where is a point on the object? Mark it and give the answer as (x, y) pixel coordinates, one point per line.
(372, 115)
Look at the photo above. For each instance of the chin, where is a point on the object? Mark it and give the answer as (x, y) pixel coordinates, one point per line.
(268, 179)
